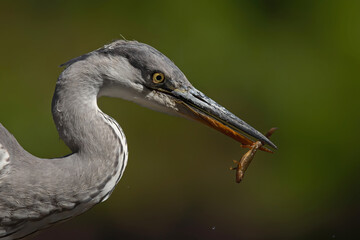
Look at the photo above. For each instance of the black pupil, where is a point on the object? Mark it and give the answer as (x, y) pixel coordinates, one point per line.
(158, 77)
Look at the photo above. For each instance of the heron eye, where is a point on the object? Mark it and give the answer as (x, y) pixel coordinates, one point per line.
(158, 77)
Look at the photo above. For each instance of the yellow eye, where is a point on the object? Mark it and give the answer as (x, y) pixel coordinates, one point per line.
(158, 77)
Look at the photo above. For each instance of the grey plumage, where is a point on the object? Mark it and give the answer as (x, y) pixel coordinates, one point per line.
(36, 193)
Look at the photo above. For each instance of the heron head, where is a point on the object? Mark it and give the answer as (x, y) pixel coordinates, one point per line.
(137, 72)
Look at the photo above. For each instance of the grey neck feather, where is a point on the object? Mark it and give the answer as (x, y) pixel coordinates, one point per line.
(95, 138)
(78, 119)
(75, 110)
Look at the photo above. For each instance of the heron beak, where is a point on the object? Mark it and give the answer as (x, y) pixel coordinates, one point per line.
(202, 108)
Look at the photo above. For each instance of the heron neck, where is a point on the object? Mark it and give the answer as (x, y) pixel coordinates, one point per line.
(83, 127)
(99, 146)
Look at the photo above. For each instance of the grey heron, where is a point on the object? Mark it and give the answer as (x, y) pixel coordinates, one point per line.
(36, 193)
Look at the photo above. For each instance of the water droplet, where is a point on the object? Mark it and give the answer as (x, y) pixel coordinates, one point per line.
(213, 228)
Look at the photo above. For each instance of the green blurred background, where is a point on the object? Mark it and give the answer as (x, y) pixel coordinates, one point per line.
(290, 64)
